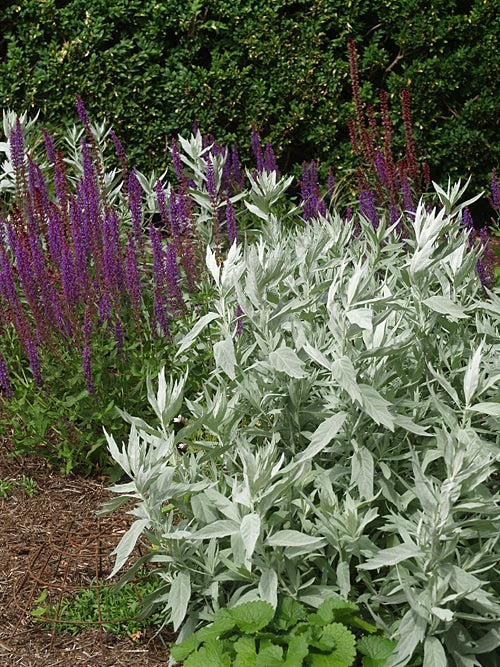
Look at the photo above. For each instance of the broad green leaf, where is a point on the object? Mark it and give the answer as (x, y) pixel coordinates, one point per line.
(246, 653)
(445, 306)
(178, 599)
(224, 356)
(392, 556)
(286, 360)
(250, 531)
(298, 649)
(251, 617)
(211, 653)
(344, 652)
(322, 436)
(434, 654)
(375, 649)
(270, 656)
(289, 613)
(190, 337)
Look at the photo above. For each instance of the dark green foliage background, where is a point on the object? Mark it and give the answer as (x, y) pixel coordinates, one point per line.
(151, 67)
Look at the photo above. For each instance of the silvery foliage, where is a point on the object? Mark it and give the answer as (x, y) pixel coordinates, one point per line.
(9, 119)
(345, 443)
(33, 144)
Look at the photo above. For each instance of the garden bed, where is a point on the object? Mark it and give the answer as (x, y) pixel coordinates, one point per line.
(30, 526)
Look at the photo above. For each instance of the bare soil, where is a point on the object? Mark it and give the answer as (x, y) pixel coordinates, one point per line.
(54, 540)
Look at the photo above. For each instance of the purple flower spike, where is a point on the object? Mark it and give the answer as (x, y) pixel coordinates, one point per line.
(211, 184)
(270, 159)
(82, 112)
(257, 148)
(238, 176)
(331, 184)
(232, 229)
(5, 385)
(34, 360)
(495, 191)
(368, 209)
(121, 156)
(49, 146)
(485, 265)
(177, 162)
(176, 300)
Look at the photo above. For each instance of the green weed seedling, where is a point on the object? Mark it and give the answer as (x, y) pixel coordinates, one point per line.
(27, 483)
(119, 609)
(254, 633)
(6, 487)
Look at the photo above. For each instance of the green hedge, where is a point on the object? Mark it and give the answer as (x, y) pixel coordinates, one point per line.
(151, 67)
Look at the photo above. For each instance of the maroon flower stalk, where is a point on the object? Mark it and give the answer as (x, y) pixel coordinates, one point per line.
(387, 135)
(356, 88)
(411, 153)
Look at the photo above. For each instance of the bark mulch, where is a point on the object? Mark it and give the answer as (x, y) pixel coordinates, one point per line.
(55, 540)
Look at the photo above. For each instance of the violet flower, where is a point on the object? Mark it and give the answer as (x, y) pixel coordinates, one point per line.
(176, 300)
(238, 176)
(231, 223)
(495, 191)
(368, 208)
(257, 148)
(34, 360)
(5, 385)
(49, 146)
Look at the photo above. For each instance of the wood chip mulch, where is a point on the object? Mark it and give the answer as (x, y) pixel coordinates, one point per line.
(31, 532)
